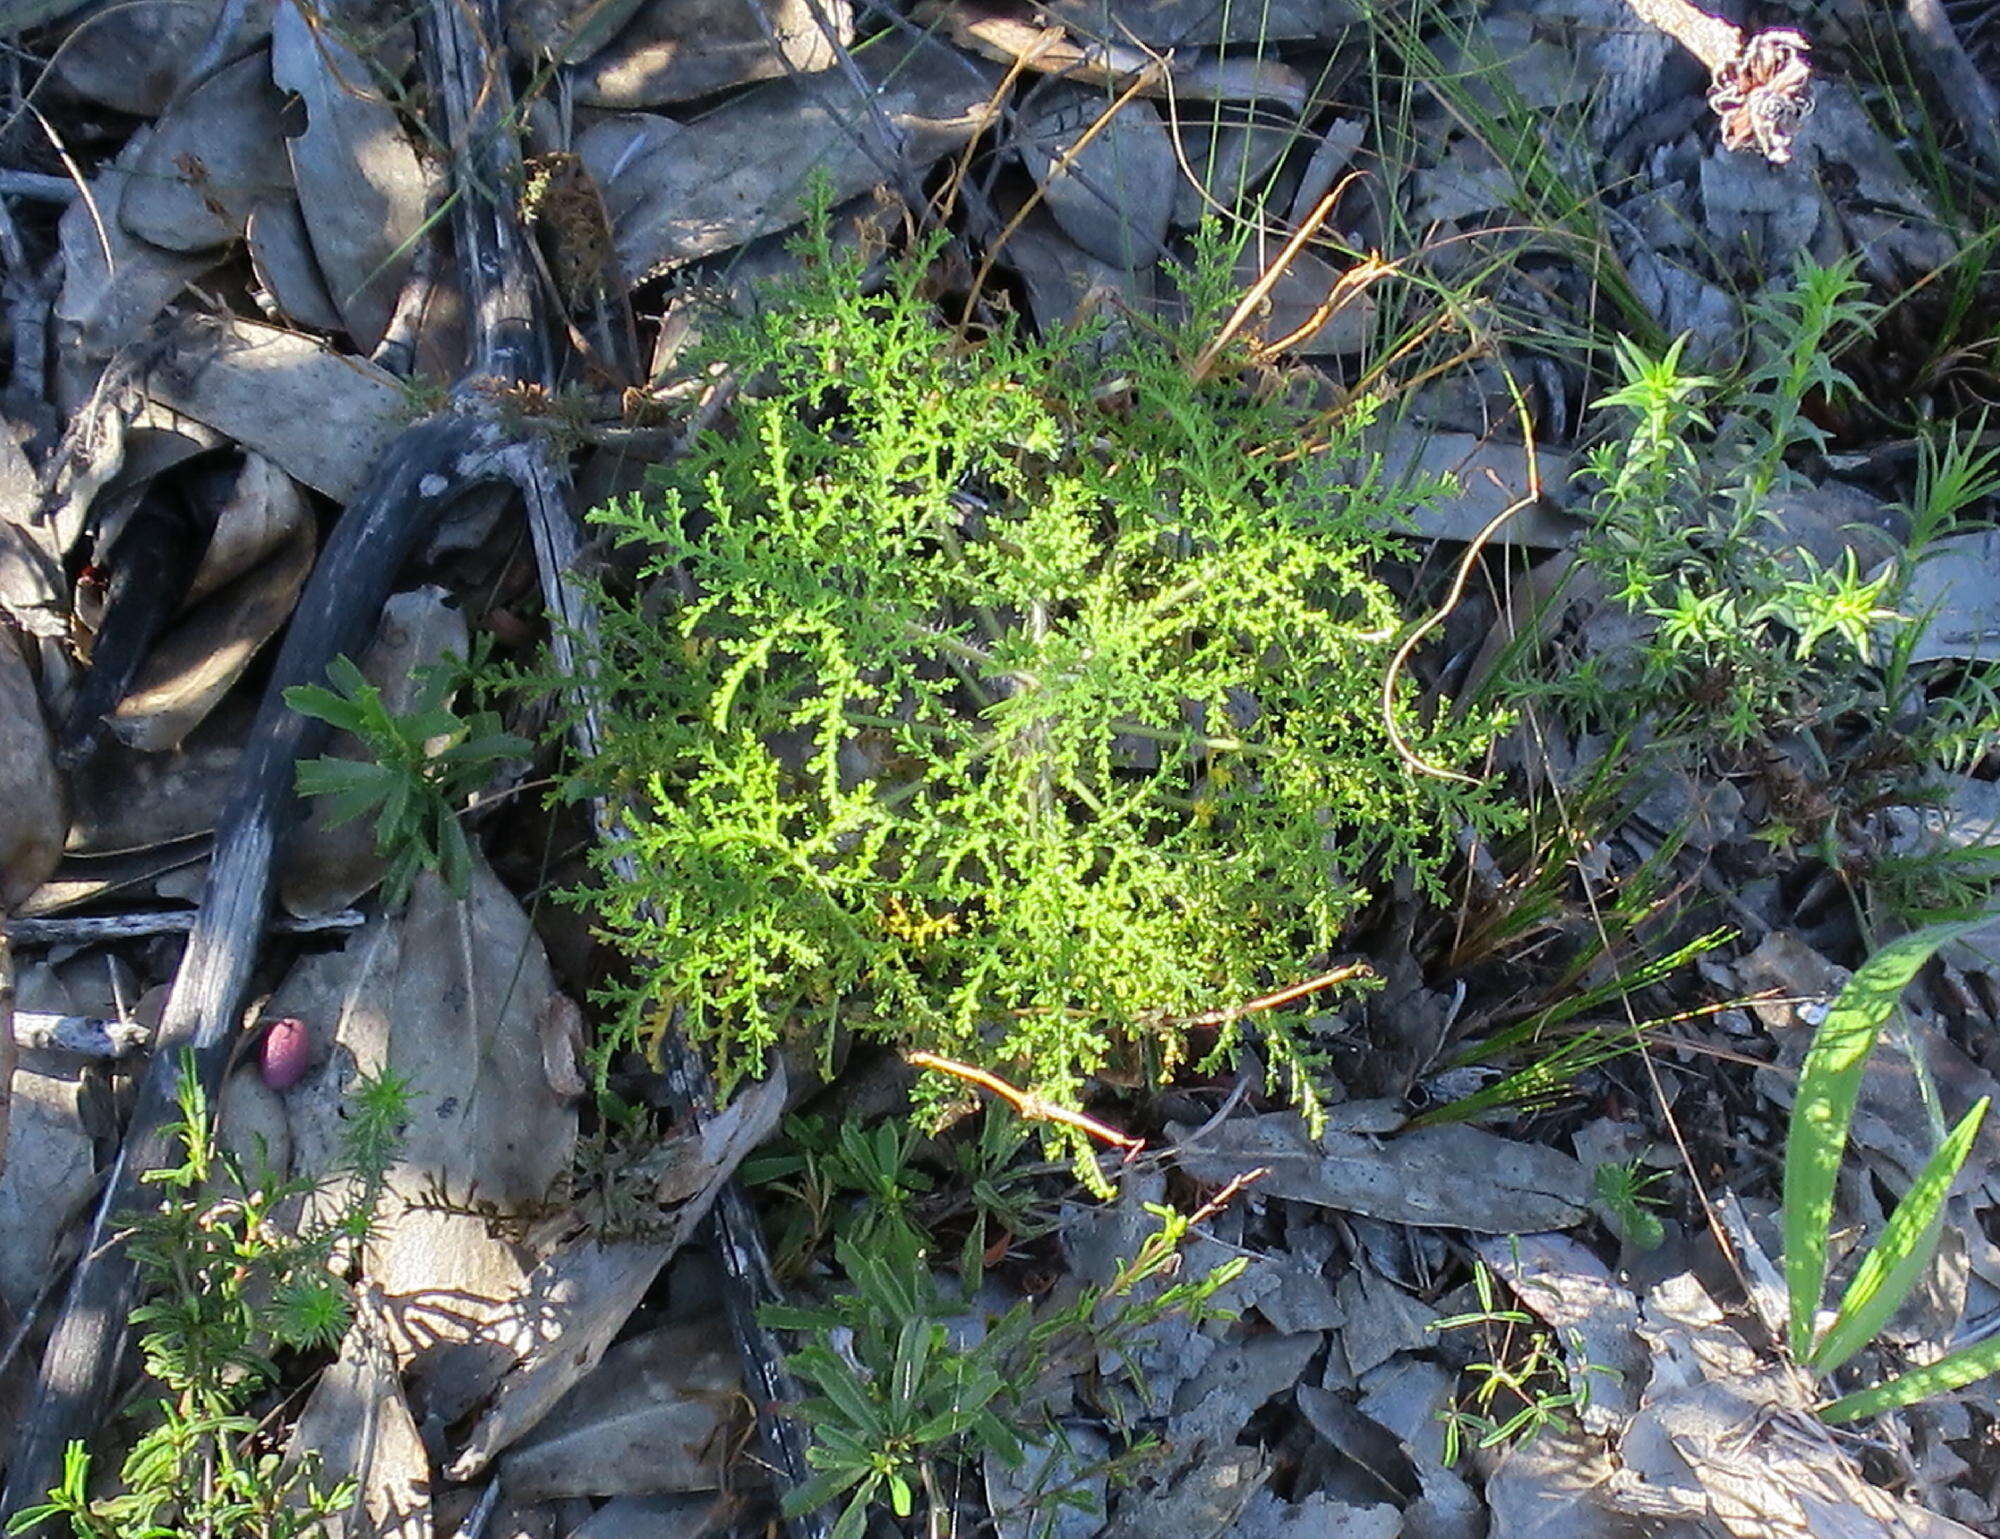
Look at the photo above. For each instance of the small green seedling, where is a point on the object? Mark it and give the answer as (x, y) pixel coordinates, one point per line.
(1829, 1086)
(425, 762)
(899, 1402)
(1624, 1191)
(231, 1281)
(1524, 1388)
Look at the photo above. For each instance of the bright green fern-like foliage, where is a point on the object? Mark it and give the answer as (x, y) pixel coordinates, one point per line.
(1013, 698)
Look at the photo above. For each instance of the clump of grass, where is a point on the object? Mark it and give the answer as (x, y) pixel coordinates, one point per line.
(1013, 699)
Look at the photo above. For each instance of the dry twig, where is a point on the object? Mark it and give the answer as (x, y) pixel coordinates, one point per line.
(1028, 1105)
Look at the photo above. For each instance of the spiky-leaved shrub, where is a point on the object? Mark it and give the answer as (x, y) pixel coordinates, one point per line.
(1017, 699)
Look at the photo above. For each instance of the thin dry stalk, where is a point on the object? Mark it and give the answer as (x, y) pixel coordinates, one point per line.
(1284, 996)
(1761, 86)
(1247, 306)
(1027, 1105)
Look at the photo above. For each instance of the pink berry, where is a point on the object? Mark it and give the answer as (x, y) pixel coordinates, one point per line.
(285, 1054)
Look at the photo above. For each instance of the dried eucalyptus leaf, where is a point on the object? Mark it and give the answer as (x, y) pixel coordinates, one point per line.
(254, 584)
(446, 994)
(1451, 1177)
(674, 53)
(659, 1414)
(323, 417)
(1184, 23)
(580, 1298)
(1112, 195)
(747, 168)
(131, 57)
(282, 257)
(114, 283)
(359, 1425)
(48, 1178)
(209, 161)
(361, 187)
(31, 801)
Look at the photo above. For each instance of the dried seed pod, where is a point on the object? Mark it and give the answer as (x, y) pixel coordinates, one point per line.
(284, 1054)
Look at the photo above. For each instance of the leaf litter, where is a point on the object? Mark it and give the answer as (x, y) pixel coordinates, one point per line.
(252, 294)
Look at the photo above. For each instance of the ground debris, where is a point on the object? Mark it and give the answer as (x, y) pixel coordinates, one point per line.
(1452, 1177)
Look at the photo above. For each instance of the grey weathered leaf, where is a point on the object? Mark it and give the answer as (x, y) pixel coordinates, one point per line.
(1230, 160)
(321, 416)
(1021, 1496)
(662, 1412)
(132, 57)
(1306, 309)
(1318, 1516)
(361, 187)
(123, 799)
(359, 1426)
(1181, 1498)
(746, 169)
(32, 582)
(1728, 1440)
(648, 1517)
(1112, 193)
(1953, 589)
(1484, 476)
(209, 160)
(48, 1177)
(114, 284)
(1065, 283)
(243, 592)
(674, 53)
(281, 255)
(580, 1297)
(31, 801)
(1240, 1376)
(446, 994)
(1450, 1177)
(1382, 1320)
(1181, 23)
(1005, 35)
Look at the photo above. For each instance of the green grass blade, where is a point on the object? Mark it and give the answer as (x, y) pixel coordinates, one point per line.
(1891, 1269)
(1828, 1087)
(1953, 1371)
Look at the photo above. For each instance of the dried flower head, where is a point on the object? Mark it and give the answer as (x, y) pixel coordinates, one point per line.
(1761, 87)
(1763, 94)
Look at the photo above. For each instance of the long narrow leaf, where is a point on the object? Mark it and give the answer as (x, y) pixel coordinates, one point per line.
(1953, 1371)
(1828, 1088)
(821, 1489)
(1908, 1241)
(913, 1351)
(840, 1384)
